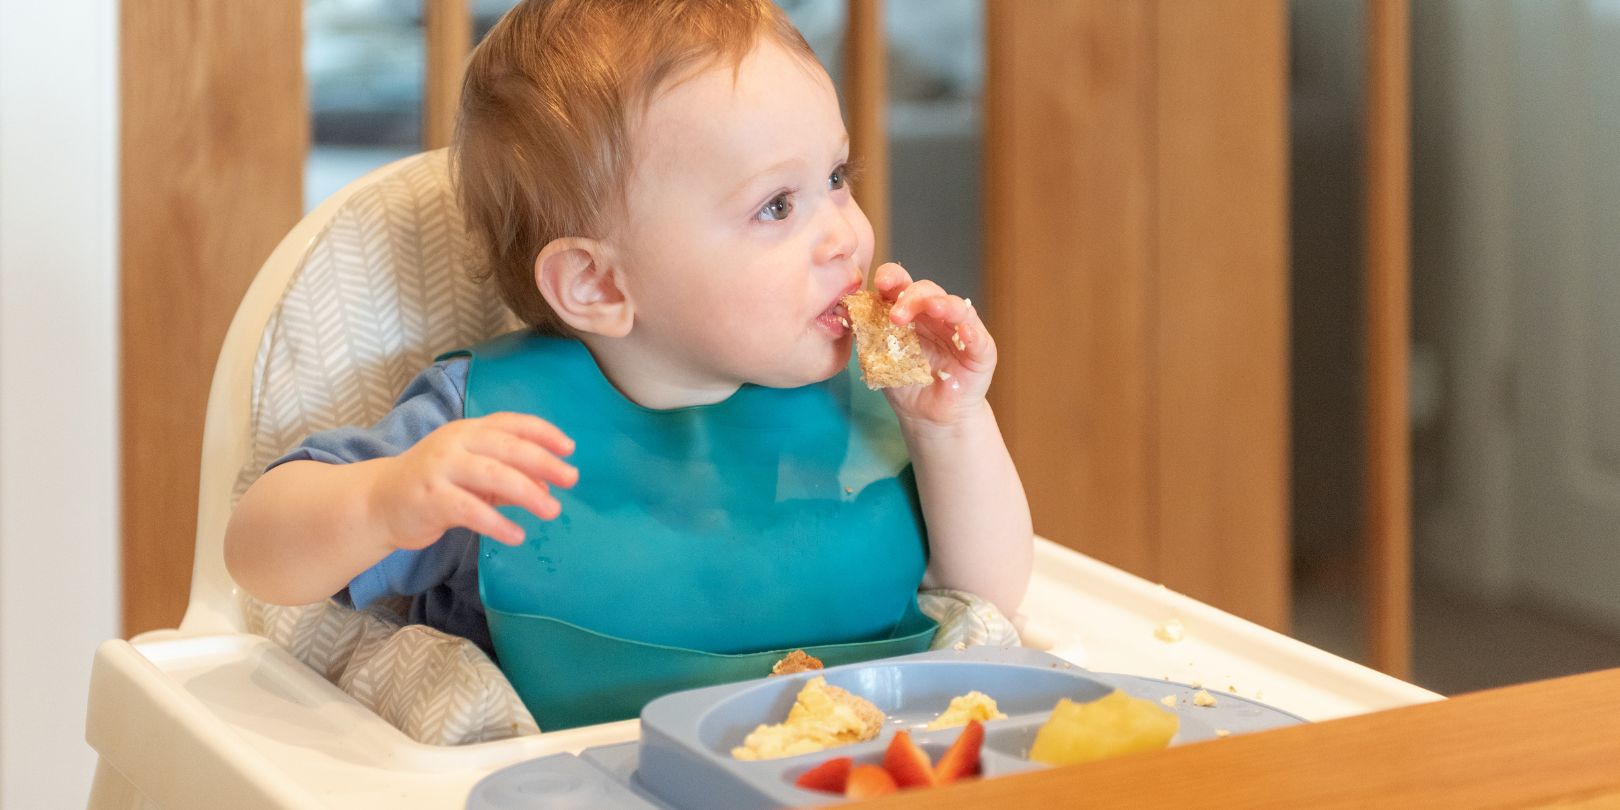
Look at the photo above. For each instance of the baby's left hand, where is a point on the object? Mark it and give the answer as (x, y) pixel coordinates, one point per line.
(959, 348)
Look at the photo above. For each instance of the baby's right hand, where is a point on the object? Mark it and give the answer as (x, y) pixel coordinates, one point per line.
(457, 475)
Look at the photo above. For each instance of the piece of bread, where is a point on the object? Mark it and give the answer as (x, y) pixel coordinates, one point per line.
(891, 355)
(870, 715)
(823, 716)
(796, 661)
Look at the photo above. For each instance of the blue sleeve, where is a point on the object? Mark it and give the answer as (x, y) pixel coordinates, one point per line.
(433, 398)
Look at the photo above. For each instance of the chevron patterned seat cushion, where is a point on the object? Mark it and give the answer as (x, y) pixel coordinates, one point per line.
(379, 293)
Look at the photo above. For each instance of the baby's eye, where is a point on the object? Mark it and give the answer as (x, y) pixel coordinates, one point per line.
(839, 178)
(777, 209)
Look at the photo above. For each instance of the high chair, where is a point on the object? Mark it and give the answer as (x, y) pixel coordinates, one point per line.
(371, 284)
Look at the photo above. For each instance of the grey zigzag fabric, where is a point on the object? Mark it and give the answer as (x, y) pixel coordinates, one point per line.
(381, 291)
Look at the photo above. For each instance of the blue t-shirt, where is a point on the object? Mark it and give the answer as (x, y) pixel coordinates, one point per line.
(441, 579)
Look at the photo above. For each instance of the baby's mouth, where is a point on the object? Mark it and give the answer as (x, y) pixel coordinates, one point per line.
(836, 318)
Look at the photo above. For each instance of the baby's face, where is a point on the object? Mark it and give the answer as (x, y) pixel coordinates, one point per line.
(740, 235)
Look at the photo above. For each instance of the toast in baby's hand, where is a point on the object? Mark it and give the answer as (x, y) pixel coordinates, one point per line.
(891, 355)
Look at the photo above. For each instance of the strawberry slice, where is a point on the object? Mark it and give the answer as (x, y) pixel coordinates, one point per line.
(866, 781)
(830, 776)
(907, 762)
(961, 760)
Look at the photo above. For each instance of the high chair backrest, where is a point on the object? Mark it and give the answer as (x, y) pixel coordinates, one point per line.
(354, 301)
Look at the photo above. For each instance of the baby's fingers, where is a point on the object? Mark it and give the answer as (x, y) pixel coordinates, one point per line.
(468, 511)
(499, 484)
(890, 277)
(534, 429)
(922, 298)
(967, 339)
(526, 457)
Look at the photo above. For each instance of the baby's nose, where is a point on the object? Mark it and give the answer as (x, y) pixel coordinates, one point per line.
(838, 239)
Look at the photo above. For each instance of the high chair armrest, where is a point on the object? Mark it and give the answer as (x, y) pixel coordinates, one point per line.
(169, 746)
(234, 721)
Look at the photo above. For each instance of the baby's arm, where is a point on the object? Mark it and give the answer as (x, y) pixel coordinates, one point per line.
(306, 528)
(979, 532)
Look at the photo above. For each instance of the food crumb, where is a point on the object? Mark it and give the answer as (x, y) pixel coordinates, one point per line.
(849, 490)
(1221, 732)
(1204, 699)
(1196, 684)
(944, 375)
(1170, 632)
(1231, 688)
(896, 351)
(956, 340)
(960, 645)
(1168, 700)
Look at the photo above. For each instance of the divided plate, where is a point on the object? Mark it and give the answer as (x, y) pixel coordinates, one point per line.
(684, 756)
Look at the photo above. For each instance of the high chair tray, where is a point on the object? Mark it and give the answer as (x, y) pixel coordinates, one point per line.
(683, 759)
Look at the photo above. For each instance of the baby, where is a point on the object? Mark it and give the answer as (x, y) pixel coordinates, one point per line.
(670, 470)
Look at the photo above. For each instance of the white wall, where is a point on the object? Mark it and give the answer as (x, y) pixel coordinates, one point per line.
(58, 390)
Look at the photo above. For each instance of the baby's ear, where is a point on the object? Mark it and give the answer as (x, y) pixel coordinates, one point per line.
(581, 283)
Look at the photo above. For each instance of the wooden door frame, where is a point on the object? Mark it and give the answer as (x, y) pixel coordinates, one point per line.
(214, 130)
(1136, 269)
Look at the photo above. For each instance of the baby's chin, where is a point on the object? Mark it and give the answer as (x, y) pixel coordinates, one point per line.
(809, 372)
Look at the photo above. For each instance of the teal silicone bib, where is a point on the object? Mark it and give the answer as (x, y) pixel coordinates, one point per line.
(701, 544)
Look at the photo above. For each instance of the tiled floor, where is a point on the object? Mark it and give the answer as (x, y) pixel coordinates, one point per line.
(1459, 643)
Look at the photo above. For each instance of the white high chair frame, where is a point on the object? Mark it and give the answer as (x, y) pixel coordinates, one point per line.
(207, 715)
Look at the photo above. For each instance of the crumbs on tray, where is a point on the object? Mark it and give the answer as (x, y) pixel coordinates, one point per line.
(1170, 632)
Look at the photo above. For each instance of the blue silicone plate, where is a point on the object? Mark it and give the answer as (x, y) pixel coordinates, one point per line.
(683, 760)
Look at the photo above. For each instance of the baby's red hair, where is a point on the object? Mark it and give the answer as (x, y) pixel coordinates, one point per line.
(541, 148)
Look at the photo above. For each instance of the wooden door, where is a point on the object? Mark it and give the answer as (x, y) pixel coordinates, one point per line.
(1136, 272)
(213, 134)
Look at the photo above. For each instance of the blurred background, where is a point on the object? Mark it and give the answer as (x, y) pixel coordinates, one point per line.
(1515, 288)
(1511, 392)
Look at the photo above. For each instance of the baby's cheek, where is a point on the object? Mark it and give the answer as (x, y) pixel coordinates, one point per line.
(863, 254)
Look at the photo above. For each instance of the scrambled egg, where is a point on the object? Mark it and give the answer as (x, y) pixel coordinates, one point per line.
(822, 717)
(974, 705)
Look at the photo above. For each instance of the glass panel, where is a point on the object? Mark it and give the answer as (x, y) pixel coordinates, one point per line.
(936, 84)
(486, 13)
(1326, 106)
(822, 23)
(363, 61)
(936, 81)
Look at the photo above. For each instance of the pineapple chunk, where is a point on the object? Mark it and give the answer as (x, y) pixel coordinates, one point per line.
(1109, 726)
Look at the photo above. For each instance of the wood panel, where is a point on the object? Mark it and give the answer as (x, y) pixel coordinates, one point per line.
(1388, 318)
(1069, 265)
(447, 25)
(866, 92)
(213, 137)
(1135, 271)
(1222, 292)
(1546, 744)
